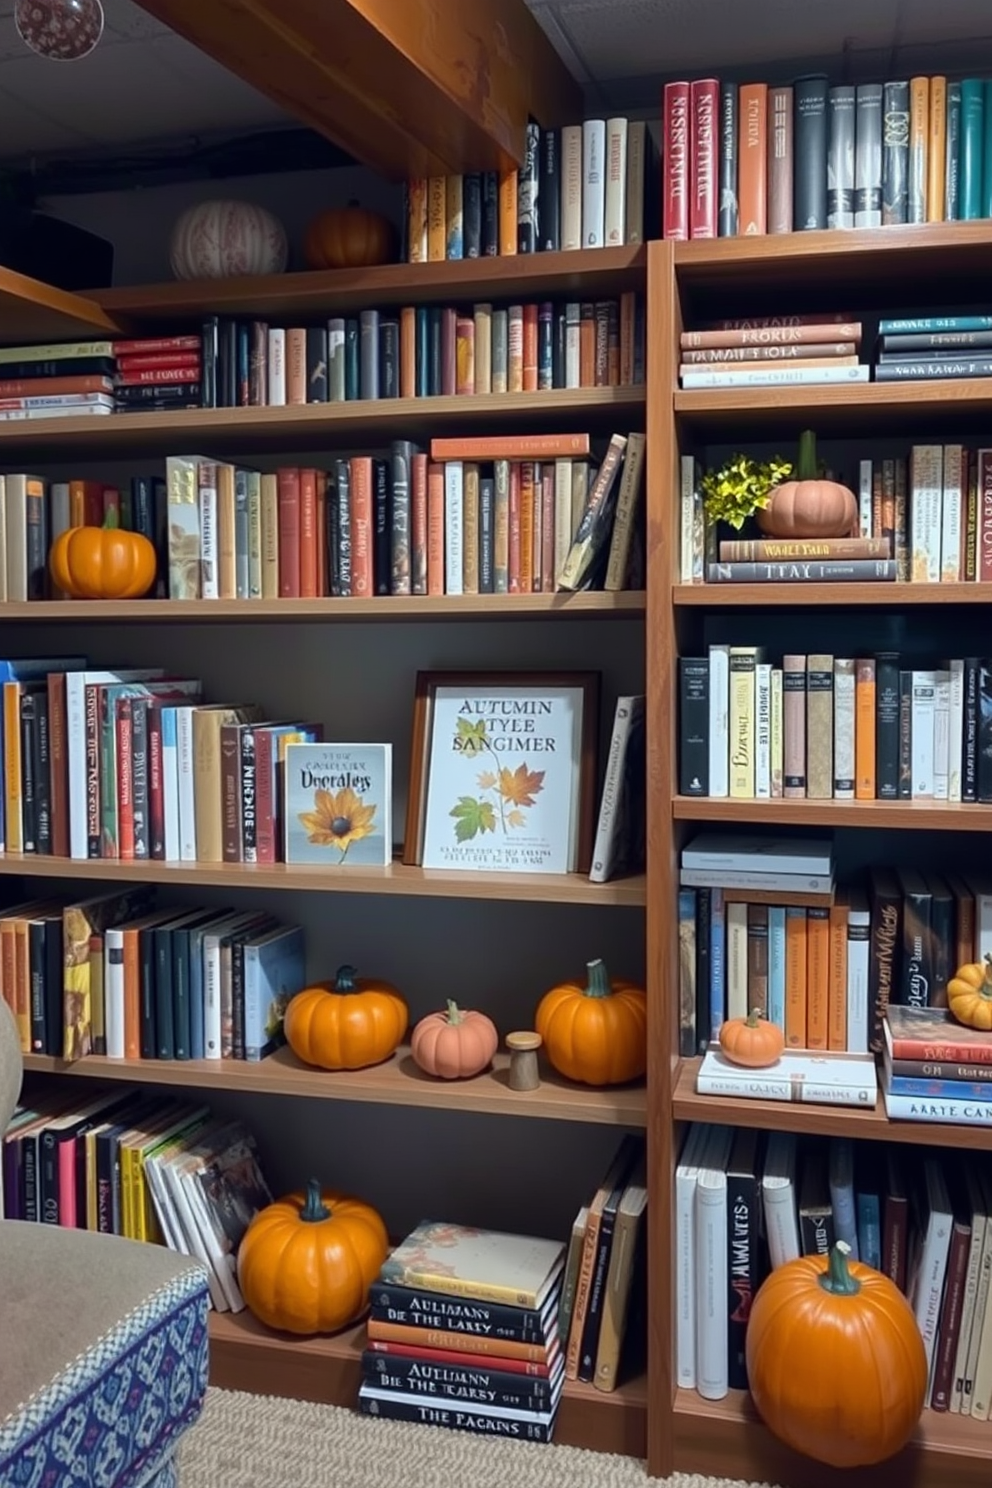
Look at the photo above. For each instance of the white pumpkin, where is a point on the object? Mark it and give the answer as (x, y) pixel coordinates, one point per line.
(222, 239)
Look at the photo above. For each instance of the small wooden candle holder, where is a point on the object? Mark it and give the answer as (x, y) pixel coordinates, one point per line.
(524, 1072)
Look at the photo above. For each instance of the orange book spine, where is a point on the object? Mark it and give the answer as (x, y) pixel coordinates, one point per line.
(795, 978)
(837, 997)
(752, 158)
(361, 526)
(435, 528)
(464, 355)
(308, 534)
(527, 523)
(864, 730)
(512, 447)
(508, 182)
(587, 346)
(14, 842)
(417, 220)
(514, 585)
(937, 149)
(530, 349)
(437, 212)
(919, 135)
(408, 352)
(817, 977)
(462, 1343)
(132, 997)
(547, 529)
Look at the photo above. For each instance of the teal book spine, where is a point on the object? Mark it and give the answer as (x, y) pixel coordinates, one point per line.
(952, 164)
(970, 170)
(985, 203)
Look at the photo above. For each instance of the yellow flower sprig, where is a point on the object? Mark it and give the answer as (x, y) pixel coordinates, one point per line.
(741, 487)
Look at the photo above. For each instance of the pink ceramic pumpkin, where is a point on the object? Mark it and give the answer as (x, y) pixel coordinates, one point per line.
(225, 239)
(454, 1045)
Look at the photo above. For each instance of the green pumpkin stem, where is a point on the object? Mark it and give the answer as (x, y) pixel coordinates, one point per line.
(837, 1279)
(346, 979)
(454, 1012)
(314, 1210)
(111, 518)
(597, 979)
(753, 1018)
(806, 463)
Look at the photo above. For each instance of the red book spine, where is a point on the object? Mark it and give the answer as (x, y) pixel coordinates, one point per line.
(985, 516)
(361, 526)
(516, 505)
(418, 526)
(154, 345)
(168, 375)
(677, 155)
(265, 802)
(288, 489)
(895, 1225)
(705, 94)
(33, 387)
(156, 789)
(320, 497)
(548, 529)
(125, 796)
(435, 528)
(164, 362)
(464, 1361)
(308, 534)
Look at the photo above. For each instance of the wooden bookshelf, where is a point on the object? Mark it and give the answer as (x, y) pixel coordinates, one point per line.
(933, 816)
(246, 1356)
(813, 595)
(724, 414)
(32, 311)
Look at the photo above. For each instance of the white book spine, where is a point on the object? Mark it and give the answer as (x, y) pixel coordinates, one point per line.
(454, 526)
(763, 730)
(602, 852)
(170, 788)
(719, 720)
(981, 1307)
(737, 960)
(781, 1224)
(951, 518)
(172, 1172)
(277, 367)
(211, 997)
(941, 735)
(593, 182)
(712, 1362)
(571, 187)
(777, 376)
(975, 1246)
(615, 206)
(928, 1287)
(778, 735)
(955, 728)
(573, 331)
(685, 1273)
(113, 992)
(858, 939)
(925, 512)
(686, 514)
(563, 515)
(844, 699)
(187, 798)
(75, 728)
(922, 733)
(209, 547)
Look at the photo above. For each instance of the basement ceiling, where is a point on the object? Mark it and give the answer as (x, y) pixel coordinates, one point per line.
(144, 84)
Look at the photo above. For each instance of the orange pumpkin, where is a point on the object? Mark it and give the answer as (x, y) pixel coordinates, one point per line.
(102, 562)
(751, 1041)
(454, 1044)
(835, 1361)
(597, 1033)
(306, 1262)
(809, 506)
(347, 1023)
(348, 237)
(969, 994)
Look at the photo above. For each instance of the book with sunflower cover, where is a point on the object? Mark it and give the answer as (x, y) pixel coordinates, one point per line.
(339, 804)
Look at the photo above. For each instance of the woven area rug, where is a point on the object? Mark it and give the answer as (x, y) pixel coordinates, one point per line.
(258, 1441)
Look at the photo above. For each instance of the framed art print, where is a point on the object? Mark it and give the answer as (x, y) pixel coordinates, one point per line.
(503, 770)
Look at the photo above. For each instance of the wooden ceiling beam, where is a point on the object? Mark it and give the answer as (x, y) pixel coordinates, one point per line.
(409, 87)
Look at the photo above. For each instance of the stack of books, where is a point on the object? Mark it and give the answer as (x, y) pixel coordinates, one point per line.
(163, 372)
(934, 1068)
(463, 1333)
(772, 351)
(59, 380)
(910, 350)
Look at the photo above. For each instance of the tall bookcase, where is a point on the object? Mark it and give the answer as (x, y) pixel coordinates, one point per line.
(913, 270)
(357, 658)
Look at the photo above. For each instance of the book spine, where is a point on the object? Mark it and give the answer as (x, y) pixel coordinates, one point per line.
(819, 727)
(868, 156)
(743, 1273)
(483, 1423)
(704, 108)
(919, 130)
(840, 157)
(676, 160)
(895, 153)
(780, 160)
(810, 146)
(727, 212)
(752, 170)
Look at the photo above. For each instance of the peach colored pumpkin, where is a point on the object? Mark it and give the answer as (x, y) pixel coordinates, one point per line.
(809, 506)
(455, 1044)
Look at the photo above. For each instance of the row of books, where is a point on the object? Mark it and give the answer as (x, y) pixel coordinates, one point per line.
(754, 158)
(65, 379)
(587, 185)
(155, 983)
(952, 346)
(133, 1164)
(935, 1068)
(747, 1204)
(806, 349)
(822, 727)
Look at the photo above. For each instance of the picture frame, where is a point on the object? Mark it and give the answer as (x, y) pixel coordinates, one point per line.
(469, 727)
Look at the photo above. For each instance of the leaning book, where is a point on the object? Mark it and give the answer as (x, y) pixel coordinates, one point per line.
(520, 1270)
(812, 1079)
(339, 804)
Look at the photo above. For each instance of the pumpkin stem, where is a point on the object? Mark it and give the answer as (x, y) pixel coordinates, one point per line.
(454, 1012)
(110, 518)
(314, 1210)
(988, 971)
(753, 1018)
(597, 981)
(806, 463)
(837, 1279)
(345, 980)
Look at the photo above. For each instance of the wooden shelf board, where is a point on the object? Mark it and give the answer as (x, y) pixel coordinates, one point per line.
(726, 1438)
(836, 596)
(829, 1121)
(597, 273)
(31, 311)
(929, 815)
(244, 1355)
(501, 607)
(546, 888)
(398, 1082)
(358, 424)
(880, 406)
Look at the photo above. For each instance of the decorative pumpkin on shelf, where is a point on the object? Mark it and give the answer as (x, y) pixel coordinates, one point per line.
(348, 237)
(596, 1033)
(809, 506)
(969, 994)
(752, 1041)
(102, 562)
(225, 239)
(306, 1262)
(455, 1044)
(835, 1360)
(347, 1023)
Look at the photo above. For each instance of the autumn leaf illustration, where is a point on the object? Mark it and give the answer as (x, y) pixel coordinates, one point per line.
(519, 787)
(470, 738)
(487, 780)
(515, 818)
(472, 817)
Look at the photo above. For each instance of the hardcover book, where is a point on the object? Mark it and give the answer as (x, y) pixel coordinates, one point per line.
(519, 1270)
(339, 804)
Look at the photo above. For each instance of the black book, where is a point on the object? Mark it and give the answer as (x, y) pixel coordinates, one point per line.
(917, 950)
(400, 521)
(487, 534)
(727, 212)
(317, 380)
(628, 1154)
(457, 1417)
(413, 1308)
(228, 365)
(454, 1382)
(209, 355)
(165, 1031)
(28, 758)
(53, 985)
(331, 528)
(985, 730)
(887, 726)
(342, 488)
(249, 796)
(694, 726)
(490, 214)
(559, 346)
(236, 944)
(816, 1217)
(434, 352)
(884, 951)
(704, 911)
(243, 377)
(905, 735)
(809, 184)
(743, 1248)
(381, 527)
(37, 970)
(895, 153)
(472, 215)
(528, 188)
(942, 927)
(146, 992)
(549, 192)
(389, 358)
(969, 752)
(53, 1136)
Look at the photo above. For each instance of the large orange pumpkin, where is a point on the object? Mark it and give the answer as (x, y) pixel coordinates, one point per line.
(102, 562)
(348, 237)
(596, 1033)
(347, 1023)
(835, 1360)
(809, 506)
(307, 1261)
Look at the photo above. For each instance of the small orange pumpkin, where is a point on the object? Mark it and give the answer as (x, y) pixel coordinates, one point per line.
(969, 994)
(752, 1041)
(835, 1361)
(809, 506)
(454, 1044)
(348, 1023)
(597, 1033)
(102, 562)
(306, 1262)
(348, 237)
